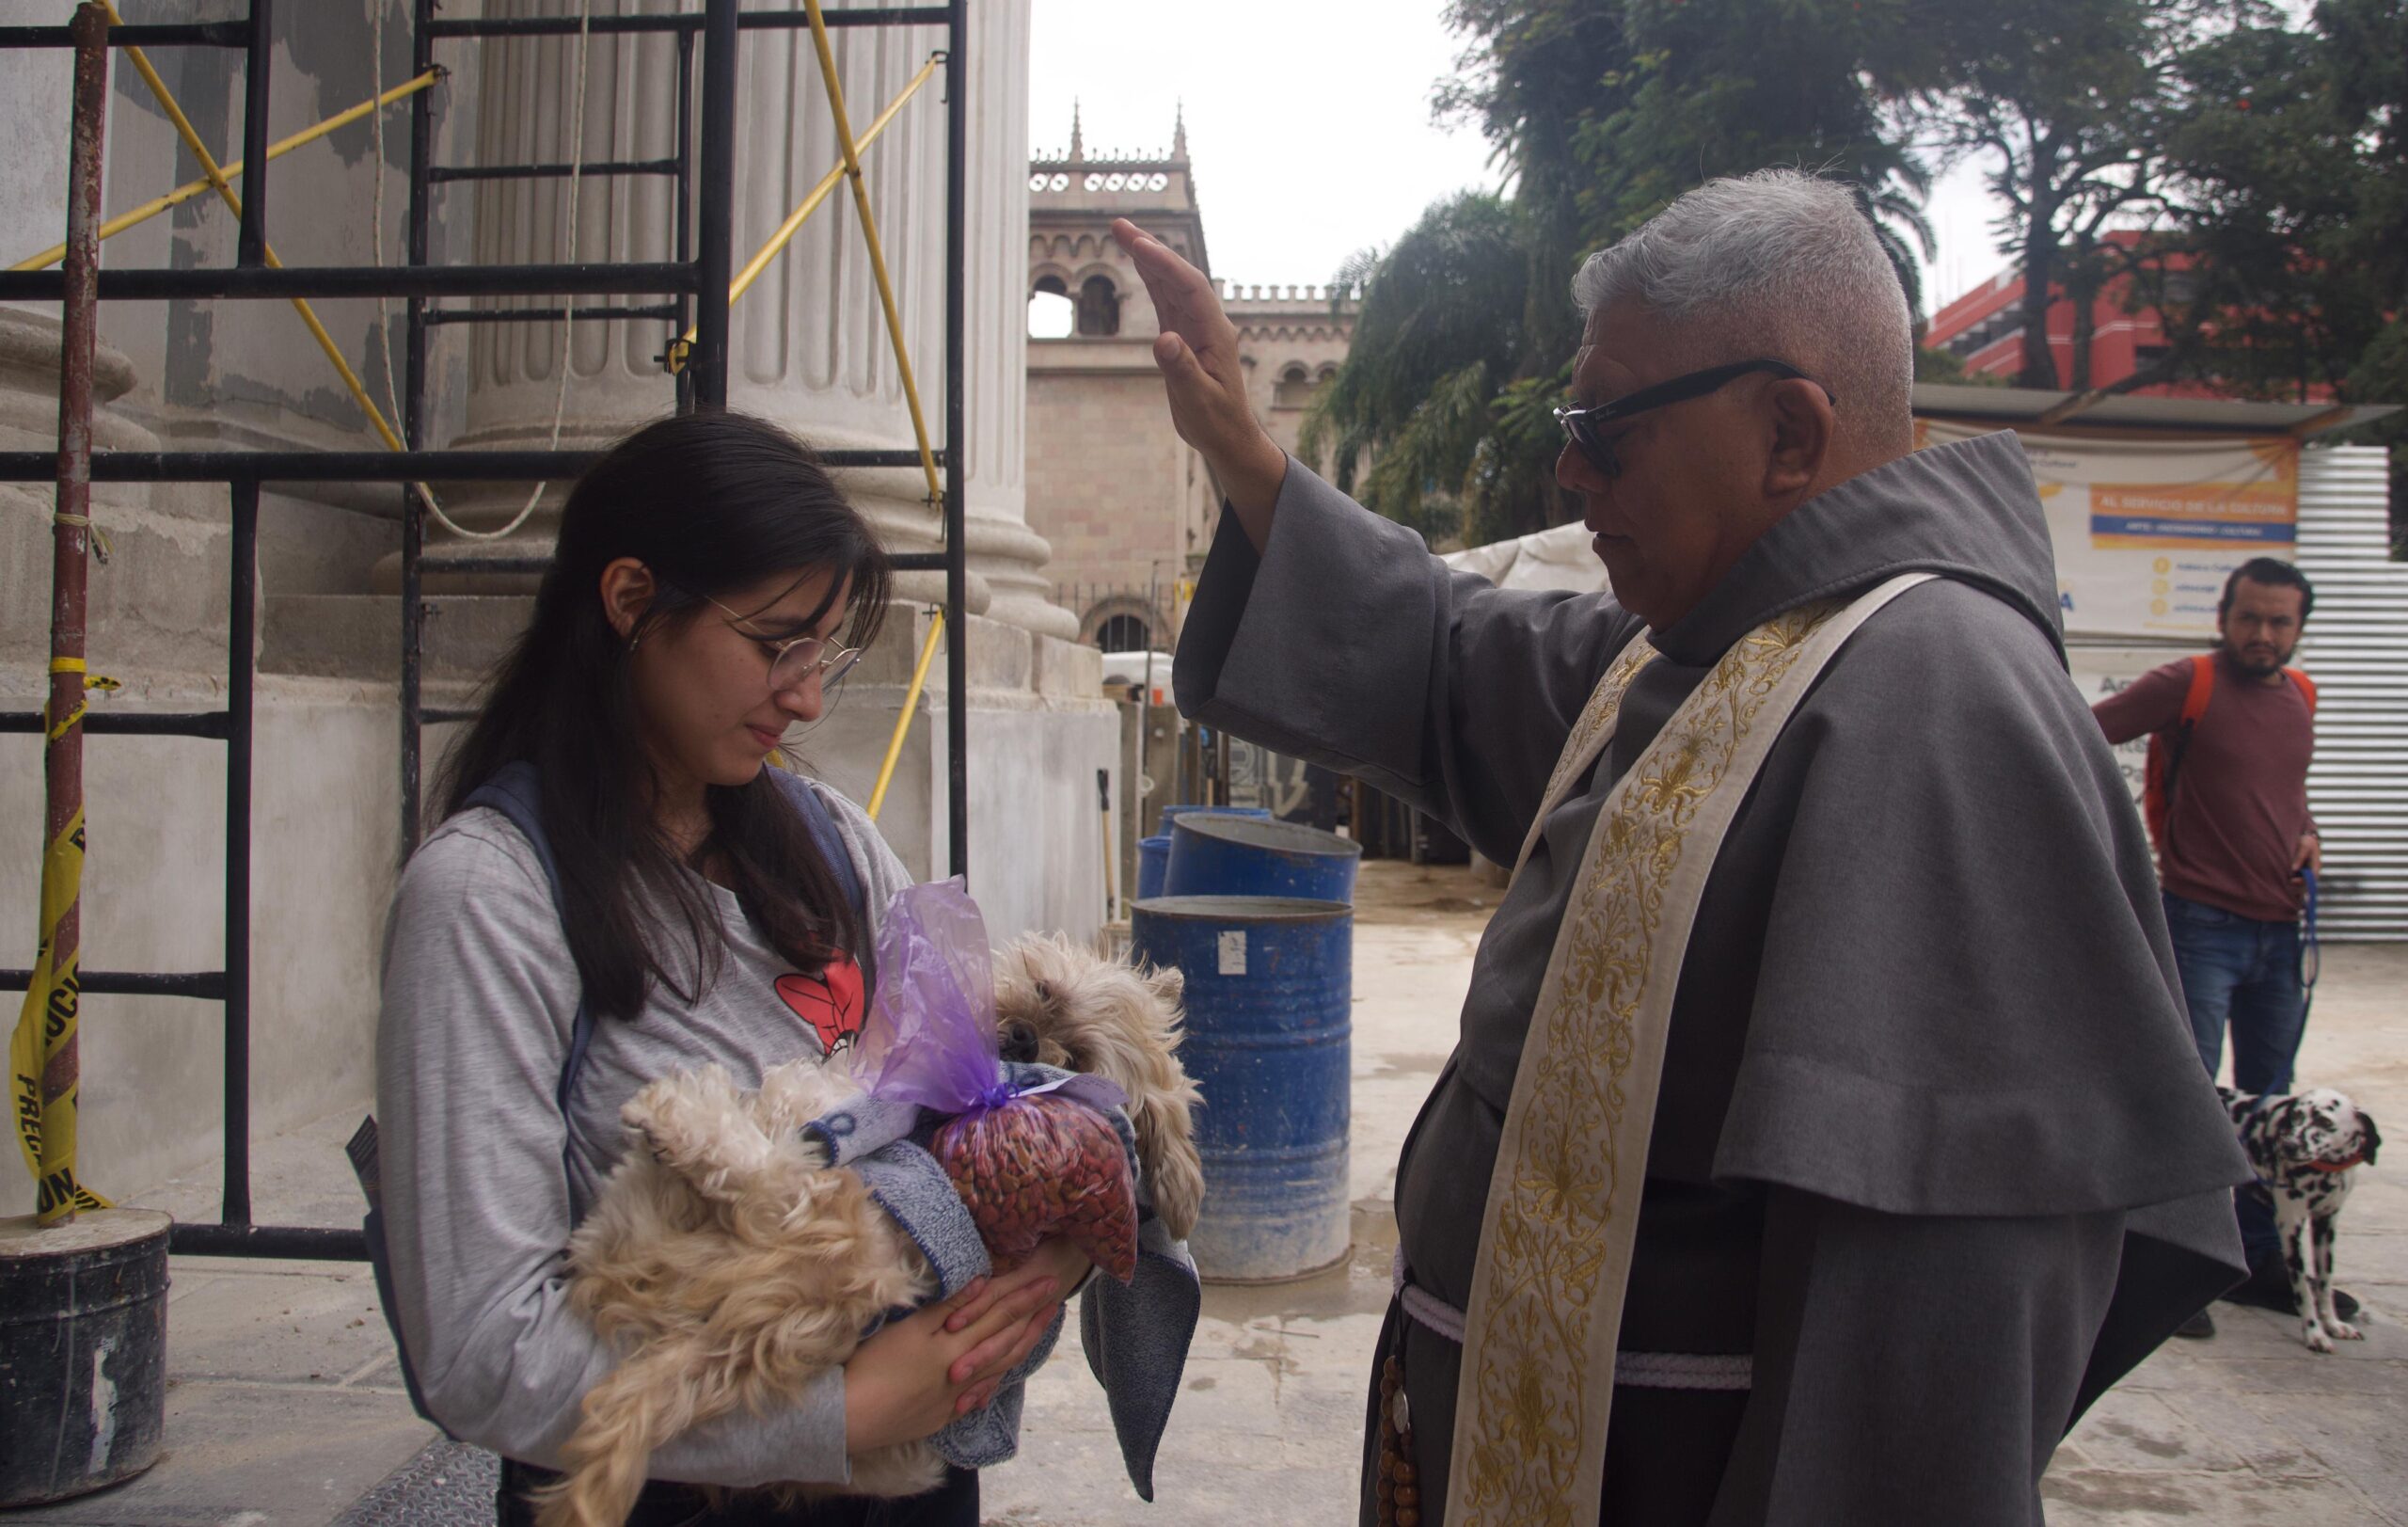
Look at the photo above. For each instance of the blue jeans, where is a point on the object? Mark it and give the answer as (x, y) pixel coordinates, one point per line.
(2243, 975)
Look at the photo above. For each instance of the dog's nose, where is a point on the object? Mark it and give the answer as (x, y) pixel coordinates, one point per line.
(1017, 1042)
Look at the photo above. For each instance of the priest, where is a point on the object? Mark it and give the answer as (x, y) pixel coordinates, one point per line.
(1824, 1133)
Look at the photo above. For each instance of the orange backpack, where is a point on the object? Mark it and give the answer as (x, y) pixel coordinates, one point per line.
(2165, 748)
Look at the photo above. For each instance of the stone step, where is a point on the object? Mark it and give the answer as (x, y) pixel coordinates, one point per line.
(358, 636)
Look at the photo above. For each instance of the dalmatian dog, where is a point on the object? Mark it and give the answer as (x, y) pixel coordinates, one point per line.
(2307, 1147)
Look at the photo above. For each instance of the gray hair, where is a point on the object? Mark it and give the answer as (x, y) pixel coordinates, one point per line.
(1778, 263)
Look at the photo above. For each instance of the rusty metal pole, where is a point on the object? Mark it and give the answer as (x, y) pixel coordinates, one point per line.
(71, 544)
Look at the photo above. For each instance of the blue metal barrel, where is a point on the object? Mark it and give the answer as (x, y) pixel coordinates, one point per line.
(1270, 1023)
(1153, 862)
(1232, 856)
(1172, 814)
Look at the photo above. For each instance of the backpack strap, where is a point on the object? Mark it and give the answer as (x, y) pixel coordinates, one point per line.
(2195, 705)
(2307, 687)
(822, 823)
(515, 794)
(2203, 684)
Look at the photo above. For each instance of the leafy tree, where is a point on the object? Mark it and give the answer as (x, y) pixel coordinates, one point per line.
(1601, 113)
(2067, 98)
(1726, 86)
(2283, 267)
(1439, 332)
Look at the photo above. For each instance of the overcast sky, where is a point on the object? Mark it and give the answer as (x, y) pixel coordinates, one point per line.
(1308, 123)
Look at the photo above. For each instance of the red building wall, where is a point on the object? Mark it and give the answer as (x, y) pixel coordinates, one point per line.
(1984, 329)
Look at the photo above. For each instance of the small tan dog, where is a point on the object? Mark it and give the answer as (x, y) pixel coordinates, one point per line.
(731, 1264)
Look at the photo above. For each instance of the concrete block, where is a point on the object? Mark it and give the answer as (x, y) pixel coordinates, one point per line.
(1001, 657)
(358, 636)
(1069, 669)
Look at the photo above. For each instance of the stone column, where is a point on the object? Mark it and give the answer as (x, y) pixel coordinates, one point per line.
(37, 98)
(161, 591)
(810, 344)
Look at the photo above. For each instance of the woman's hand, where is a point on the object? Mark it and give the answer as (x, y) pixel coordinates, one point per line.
(917, 1374)
(1057, 1261)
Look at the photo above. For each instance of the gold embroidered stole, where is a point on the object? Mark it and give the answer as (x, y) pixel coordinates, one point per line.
(1562, 1210)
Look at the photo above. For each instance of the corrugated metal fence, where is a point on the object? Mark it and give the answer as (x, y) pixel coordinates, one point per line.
(2356, 649)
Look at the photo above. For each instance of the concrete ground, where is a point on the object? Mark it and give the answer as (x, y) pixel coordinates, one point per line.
(285, 1409)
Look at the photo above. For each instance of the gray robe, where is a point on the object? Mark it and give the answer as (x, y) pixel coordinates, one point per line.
(1933, 1143)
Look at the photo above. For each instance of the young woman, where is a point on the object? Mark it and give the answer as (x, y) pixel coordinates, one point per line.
(712, 589)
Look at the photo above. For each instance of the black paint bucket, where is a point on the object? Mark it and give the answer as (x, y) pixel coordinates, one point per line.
(82, 1352)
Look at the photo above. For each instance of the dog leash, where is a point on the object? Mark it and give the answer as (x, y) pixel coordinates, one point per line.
(2311, 954)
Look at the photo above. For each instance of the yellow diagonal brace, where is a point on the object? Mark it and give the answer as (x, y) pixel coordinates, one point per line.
(777, 240)
(190, 189)
(869, 236)
(770, 251)
(903, 722)
(216, 176)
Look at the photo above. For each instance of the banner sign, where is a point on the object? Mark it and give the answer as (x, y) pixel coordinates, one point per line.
(2099, 672)
(2147, 530)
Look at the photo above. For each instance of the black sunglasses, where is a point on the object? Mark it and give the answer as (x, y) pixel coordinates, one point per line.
(1583, 425)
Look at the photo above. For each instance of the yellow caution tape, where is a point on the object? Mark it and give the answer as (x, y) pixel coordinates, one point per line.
(91, 681)
(45, 1029)
(46, 1023)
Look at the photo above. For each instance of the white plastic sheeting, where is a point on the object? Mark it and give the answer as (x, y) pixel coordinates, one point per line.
(1561, 558)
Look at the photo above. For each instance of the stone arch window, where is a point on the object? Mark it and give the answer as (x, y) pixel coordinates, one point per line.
(1098, 308)
(1049, 309)
(1294, 388)
(1123, 632)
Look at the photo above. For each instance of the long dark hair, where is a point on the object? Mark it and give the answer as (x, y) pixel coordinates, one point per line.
(710, 502)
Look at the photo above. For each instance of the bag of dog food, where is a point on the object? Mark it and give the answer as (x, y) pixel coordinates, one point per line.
(1033, 1159)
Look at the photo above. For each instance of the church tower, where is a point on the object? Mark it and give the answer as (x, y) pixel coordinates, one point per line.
(1123, 502)
(1127, 507)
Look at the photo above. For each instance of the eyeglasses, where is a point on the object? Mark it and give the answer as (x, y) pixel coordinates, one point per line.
(793, 661)
(1583, 425)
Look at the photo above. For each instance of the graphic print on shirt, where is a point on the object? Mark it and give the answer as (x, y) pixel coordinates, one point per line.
(829, 1002)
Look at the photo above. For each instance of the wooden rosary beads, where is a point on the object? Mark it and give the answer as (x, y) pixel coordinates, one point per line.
(1398, 1490)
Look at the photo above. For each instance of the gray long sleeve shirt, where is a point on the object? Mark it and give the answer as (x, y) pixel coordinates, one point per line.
(480, 993)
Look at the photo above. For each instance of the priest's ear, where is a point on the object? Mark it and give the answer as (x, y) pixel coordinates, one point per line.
(1802, 428)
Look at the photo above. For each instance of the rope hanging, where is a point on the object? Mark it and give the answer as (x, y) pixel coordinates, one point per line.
(568, 304)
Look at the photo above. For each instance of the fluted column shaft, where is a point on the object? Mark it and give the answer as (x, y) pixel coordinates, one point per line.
(810, 344)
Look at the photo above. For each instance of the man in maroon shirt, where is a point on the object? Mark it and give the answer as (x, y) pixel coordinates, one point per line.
(2236, 834)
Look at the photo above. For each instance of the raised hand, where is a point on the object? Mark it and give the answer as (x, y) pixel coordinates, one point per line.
(1197, 355)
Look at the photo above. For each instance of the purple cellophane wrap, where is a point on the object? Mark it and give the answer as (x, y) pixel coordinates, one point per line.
(931, 1038)
(1028, 1167)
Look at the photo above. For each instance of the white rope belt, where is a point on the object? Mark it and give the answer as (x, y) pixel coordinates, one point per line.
(1632, 1370)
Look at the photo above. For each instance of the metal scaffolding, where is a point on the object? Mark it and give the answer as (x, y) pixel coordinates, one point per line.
(691, 294)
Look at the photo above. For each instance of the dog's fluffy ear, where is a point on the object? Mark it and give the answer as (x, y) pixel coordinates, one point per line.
(2367, 1132)
(1168, 983)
